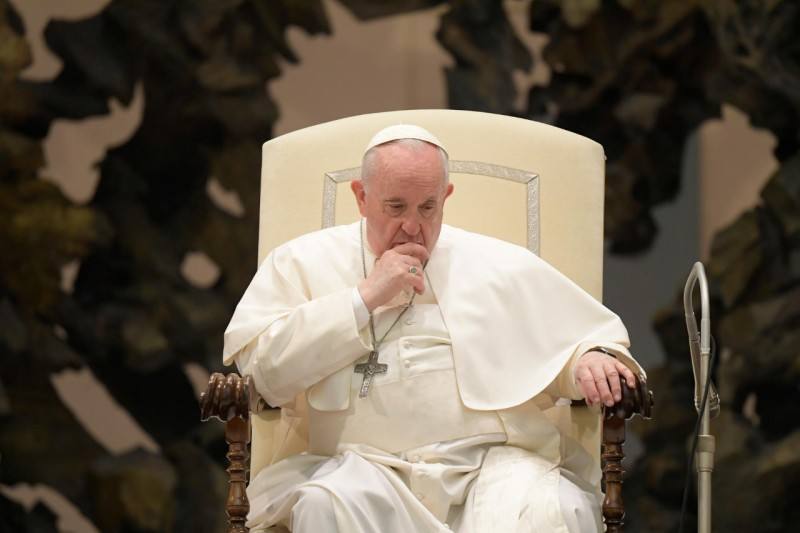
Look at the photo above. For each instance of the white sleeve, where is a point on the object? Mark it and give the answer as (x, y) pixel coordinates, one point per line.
(360, 309)
(288, 341)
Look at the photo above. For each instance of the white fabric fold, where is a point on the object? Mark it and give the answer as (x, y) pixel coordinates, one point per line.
(514, 320)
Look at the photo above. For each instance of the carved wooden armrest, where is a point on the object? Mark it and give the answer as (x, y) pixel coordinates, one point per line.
(231, 398)
(635, 401)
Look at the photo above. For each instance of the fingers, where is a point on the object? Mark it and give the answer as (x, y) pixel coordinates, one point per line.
(612, 378)
(413, 249)
(599, 377)
(401, 272)
(410, 270)
(417, 277)
(391, 275)
(601, 383)
(627, 373)
(394, 256)
(587, 384)
(411, 261)
(415, 280)
(406, 267)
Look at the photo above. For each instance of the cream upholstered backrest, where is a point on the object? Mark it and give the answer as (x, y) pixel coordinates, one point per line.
(569, 172)
(526, 182)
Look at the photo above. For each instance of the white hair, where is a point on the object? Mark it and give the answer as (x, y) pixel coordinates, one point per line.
(369, 162)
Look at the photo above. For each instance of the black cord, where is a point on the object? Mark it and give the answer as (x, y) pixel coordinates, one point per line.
(707, 387)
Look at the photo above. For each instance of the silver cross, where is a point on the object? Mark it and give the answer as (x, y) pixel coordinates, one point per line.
(369, 369)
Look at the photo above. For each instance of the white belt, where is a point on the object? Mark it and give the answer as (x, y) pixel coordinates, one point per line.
(416, 403)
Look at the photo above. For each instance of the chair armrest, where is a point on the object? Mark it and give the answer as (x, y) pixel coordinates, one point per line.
(231, 398)
(635, 401)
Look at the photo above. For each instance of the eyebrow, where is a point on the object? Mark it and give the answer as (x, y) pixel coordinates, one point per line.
(430, 199)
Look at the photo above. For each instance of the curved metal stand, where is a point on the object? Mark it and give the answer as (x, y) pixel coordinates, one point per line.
(700, 348)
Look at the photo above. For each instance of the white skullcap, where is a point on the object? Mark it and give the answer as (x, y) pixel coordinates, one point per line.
(403, 131)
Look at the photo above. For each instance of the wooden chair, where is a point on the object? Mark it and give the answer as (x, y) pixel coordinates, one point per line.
(518, 180)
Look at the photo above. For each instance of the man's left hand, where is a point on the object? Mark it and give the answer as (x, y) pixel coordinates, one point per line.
(598, 376)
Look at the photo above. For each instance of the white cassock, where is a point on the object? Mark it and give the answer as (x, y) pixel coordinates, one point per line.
(453, 435)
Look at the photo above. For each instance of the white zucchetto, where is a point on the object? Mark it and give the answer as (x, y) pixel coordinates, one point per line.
(403, 131)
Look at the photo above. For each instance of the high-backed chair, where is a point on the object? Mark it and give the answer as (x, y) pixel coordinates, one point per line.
(526, 182)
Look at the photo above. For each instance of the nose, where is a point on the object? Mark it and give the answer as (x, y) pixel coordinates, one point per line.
(411, 226)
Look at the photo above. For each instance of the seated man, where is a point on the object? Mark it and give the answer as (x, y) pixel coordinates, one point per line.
(426, 355)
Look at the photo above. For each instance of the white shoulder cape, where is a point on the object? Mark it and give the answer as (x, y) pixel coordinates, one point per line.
(514, 320)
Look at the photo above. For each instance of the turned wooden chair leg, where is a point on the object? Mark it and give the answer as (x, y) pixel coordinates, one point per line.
(228, 398)
(237, 435)
(635, 401)
(613, 472)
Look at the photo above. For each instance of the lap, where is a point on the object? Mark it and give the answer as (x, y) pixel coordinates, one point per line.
(520, 492)
(516, 491)
(349, 494)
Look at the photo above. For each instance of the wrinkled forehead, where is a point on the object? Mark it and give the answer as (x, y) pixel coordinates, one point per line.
(399, 166)
(407, 151)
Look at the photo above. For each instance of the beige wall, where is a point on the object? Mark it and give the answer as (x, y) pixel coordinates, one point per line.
(735, 162)
(363, 67)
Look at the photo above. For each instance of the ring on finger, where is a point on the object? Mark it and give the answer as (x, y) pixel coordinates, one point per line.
(413, 270)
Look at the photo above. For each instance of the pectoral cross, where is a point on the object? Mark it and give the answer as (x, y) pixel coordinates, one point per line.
(369, 369)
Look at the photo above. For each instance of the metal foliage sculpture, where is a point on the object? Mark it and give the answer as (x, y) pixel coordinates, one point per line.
(639, 76)
(131, 317)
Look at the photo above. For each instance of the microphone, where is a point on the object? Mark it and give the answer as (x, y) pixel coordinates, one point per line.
(700, 341)
(706, 399)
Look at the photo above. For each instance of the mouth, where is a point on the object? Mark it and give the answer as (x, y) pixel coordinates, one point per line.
(399, 243)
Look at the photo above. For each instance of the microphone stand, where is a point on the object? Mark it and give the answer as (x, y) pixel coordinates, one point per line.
(700, 348)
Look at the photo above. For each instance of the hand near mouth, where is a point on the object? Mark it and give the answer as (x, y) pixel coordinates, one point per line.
(397, 270)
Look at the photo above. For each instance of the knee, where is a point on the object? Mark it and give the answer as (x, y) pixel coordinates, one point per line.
(580, 508)
(313, 511)
(314, 498)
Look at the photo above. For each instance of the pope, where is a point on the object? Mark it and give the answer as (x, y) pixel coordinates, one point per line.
(422, 357)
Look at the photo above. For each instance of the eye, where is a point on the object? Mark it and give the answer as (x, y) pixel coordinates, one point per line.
(427, 209)
(394, 208)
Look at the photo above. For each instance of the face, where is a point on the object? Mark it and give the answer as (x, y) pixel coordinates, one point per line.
(405, 197)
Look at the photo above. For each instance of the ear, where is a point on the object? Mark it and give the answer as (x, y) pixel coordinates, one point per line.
(357, 186)
(450, 188)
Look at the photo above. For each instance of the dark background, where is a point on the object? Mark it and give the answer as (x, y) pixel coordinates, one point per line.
(640, 77)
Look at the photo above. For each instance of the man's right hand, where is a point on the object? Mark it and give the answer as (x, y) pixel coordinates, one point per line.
(391, 275)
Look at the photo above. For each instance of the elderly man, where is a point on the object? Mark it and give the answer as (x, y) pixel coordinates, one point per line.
(426, 355)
